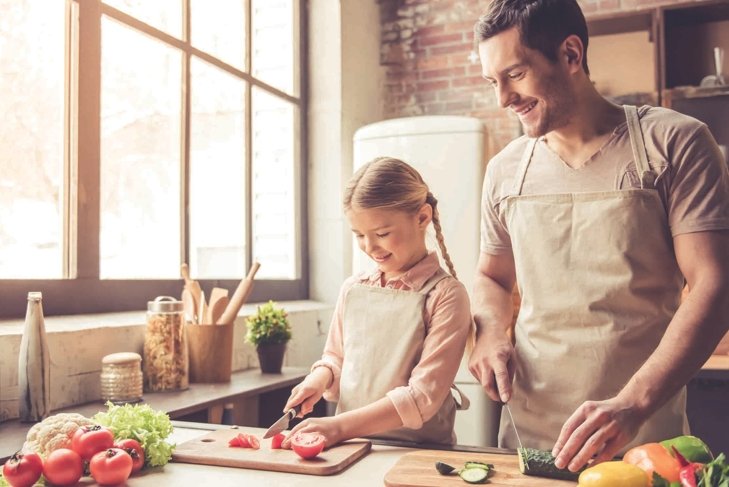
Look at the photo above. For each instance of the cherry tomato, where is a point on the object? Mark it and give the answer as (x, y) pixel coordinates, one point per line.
(135, 450)
(307, 445)
(63, 467)
(276, 441)
(245, 440)
(88, 440)
(111, 467)
(23, 469)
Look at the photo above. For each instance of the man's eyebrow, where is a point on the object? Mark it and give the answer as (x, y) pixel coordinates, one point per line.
(506, 70)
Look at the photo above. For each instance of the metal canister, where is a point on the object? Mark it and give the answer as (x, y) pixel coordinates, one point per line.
(166, 360)
(121, 377)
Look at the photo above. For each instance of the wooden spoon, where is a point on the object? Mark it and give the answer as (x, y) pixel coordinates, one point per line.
(190, 284)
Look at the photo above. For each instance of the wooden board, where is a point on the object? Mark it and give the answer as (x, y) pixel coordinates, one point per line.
(212, 449)
(417, 469)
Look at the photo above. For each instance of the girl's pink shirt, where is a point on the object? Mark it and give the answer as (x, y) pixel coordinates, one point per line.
(448, 322)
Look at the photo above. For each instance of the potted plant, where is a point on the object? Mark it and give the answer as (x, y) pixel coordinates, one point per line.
(268, 331)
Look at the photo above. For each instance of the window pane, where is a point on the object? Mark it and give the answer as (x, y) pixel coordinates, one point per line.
(274, 196)
(165, 15)
(220, 29)
(140, 155)
(217, 174)
(273, 42)
(31, 140)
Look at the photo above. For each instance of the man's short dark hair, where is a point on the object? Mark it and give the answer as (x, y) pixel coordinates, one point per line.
(542, 24)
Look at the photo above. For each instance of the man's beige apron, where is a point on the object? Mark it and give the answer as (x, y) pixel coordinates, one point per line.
(599, 284)
(383, 333)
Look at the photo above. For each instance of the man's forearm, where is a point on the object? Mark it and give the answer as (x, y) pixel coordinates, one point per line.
(492, 307)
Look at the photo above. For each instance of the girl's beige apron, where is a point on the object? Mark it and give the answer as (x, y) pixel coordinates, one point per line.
(599, 284)
(383, 333)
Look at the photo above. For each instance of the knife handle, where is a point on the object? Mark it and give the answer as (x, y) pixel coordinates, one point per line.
(294, 411)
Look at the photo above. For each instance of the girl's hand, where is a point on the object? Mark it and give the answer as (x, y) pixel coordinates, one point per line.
(309, 391)
(329, 427)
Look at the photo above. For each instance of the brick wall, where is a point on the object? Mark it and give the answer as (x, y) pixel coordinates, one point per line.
(425, 47)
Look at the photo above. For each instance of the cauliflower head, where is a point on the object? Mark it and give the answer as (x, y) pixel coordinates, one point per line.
(54, 432)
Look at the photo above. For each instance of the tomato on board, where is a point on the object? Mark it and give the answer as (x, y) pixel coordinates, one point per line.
(111, 467)
(277, 440)
(308, 445)
(135, 450)
(245, 440)
(23, 469)
(88, 440)
(63, 467)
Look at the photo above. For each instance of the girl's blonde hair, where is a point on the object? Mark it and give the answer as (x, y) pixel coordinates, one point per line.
(392, 184)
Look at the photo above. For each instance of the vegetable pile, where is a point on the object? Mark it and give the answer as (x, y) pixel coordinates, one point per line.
(113, 446)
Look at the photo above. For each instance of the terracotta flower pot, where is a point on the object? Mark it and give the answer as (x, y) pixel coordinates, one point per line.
(270, 356)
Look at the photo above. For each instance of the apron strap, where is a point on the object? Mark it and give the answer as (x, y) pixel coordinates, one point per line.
(640, 156)
(431, 283)
(462, 401)
(523, 165)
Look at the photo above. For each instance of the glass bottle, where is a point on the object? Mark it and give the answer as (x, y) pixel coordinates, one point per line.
(34, 364)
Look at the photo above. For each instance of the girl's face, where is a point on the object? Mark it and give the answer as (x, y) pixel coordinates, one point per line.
(395, 240)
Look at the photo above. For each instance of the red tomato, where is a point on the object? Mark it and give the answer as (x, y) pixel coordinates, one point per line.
(23, 469)
(276, 441)
(135, 450)
(88, 440)
(245, 440)
(63, 467)
(111, 467)
(307, 445)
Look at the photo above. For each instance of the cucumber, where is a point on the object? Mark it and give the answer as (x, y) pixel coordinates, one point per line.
(474, 475)
(443, 468)
(540, 463)
(475, 464)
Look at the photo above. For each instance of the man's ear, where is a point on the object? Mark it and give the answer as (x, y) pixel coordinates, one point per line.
(572, 51)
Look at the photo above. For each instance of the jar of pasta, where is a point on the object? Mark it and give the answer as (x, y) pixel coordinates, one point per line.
(166, 360)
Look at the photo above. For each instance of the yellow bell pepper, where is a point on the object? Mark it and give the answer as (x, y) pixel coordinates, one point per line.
(613, 474)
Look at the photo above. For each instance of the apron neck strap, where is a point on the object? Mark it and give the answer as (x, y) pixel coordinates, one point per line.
(435, 279)
(524, 165)
(640, 156)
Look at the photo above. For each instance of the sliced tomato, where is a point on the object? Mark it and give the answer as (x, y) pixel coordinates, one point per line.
(245, 440)
(276, 441)
(308, 445)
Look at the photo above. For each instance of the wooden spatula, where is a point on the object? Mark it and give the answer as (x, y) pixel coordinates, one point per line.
(191, 285)
(216, 304)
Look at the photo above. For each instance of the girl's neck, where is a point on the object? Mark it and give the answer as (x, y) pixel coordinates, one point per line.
(417, 258)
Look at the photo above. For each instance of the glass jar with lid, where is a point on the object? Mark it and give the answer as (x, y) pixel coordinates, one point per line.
(121, 378)
(166, 361)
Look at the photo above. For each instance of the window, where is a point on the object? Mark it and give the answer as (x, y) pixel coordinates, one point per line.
(139, 135)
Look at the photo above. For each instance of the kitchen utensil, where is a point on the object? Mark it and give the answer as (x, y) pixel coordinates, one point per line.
(239, 296)
(216, 305)
(283, 422)
(212, 449)
(516, 432)
(202, 308)
(190, 284)
(417, 469)
(718, 78)
(189, 306)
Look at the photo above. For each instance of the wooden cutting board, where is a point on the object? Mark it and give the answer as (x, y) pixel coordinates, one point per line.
(417, 469)
(212, 449)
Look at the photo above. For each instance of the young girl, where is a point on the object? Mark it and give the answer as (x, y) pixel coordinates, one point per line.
(398, 334)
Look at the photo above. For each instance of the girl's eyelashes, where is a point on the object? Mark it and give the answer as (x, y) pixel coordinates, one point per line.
(382, 235)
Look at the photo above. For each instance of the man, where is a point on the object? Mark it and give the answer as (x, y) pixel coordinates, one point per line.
(598, 213)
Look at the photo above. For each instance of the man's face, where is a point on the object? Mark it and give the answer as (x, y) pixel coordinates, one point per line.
(536, 89)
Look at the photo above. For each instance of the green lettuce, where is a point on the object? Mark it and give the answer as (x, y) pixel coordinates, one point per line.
(142, 423)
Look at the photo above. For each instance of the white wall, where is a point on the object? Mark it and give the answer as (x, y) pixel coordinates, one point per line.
(345, 92)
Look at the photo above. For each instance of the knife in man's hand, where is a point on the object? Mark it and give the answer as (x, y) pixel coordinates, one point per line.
(283, 422)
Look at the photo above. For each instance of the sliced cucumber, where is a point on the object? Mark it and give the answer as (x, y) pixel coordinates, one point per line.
(443, 468)
(474, 475)
(475, 464)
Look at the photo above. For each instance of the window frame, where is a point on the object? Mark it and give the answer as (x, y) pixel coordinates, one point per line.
(82, 291)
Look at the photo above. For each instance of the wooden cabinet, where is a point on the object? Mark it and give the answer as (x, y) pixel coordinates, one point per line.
(660, 55)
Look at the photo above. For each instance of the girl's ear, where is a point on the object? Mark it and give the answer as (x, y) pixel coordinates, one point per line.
(425, 215)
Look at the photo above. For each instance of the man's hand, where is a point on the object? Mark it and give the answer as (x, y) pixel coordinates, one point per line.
(492, 363)
(596, 429)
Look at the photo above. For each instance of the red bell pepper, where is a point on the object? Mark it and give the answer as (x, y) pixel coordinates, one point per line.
(687, 473)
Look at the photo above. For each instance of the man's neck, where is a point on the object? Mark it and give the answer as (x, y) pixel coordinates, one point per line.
(590, 125)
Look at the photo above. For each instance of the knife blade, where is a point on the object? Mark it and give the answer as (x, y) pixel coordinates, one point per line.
(282, 422)
(513, 424)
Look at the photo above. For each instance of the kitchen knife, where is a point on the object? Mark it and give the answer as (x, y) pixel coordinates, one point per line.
(508, 410)
(283, 422)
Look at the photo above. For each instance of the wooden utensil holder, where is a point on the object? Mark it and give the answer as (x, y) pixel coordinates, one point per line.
(211, 352)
